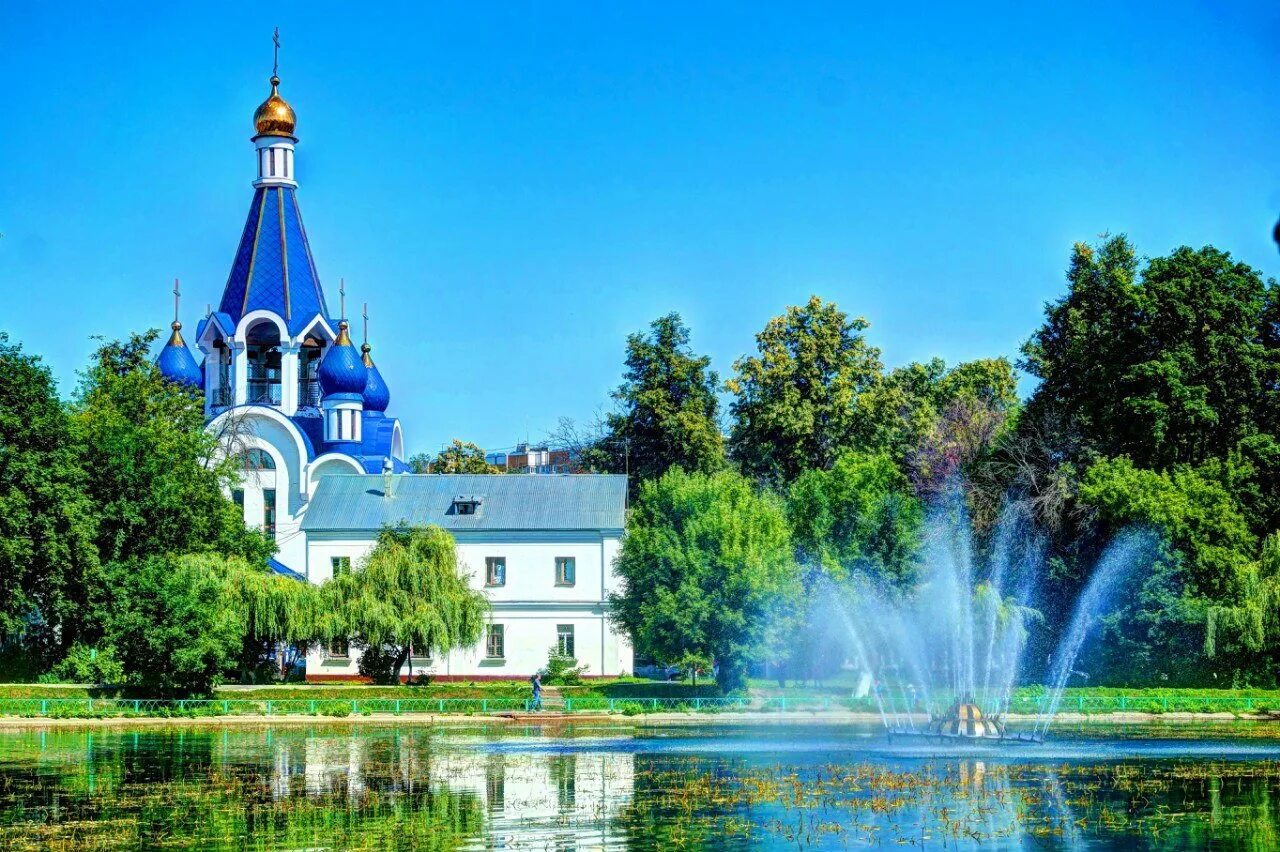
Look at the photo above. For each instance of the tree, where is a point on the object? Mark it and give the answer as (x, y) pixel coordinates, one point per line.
(46, 523)
(668, 411)
(1178, 366)
(858, 517)
(280, 615)
(407, 594)
(1248, 627)
(706, 568)
(1205, 555)
(458, 457)
(799, 404)
(155, 477)
(173, 622)
(936, 423)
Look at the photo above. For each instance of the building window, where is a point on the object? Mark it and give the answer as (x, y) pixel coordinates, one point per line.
(338, 649)
(495, 570)
(340, 565)
(237, 497)
(566, 572)
(256, 459)
(269, 511)
(495, 642)
(564, 640)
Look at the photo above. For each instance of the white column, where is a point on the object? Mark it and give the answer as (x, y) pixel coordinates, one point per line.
(240, 369)
(289, 378)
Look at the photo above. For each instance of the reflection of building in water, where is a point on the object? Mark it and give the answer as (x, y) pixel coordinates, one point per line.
(536, 791)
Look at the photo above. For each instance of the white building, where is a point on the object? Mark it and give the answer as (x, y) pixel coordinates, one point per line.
(541, 548)
(289, 396)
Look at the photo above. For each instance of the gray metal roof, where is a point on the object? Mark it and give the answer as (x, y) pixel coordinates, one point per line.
(506, 502)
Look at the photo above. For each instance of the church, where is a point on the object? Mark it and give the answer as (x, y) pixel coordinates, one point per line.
(322, 464)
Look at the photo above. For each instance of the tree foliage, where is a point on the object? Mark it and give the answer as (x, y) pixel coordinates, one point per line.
(47, 527)
(459, 457)
(706, 568)
(1176, 364)
(799, 403)
(173, 624)
(152, 473)
(859, 517)
(407, 593)
(667, 408)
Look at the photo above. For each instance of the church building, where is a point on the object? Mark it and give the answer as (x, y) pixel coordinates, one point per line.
(323, 469)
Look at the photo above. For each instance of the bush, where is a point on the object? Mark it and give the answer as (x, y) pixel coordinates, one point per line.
(632, 708)
(87, 665)
(563, 669)
(337, 709)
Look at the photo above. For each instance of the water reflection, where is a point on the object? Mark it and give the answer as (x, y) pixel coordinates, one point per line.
(583, 788)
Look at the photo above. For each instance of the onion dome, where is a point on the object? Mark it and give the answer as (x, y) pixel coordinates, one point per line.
(377, 396)
(275, 117)
(176, 363)
(341, 370)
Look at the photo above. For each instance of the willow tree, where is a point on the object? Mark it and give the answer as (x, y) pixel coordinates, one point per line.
(1251, 623)
(279, 615)
(408, 594)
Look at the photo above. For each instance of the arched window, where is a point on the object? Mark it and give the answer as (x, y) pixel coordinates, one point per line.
(256, 459)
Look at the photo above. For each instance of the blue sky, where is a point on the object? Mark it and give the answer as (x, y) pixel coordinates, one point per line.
(516, 187)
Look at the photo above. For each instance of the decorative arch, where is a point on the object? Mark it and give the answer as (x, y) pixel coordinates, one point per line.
(397, 442)
(225, 424)
(252, 318)
(330, 464)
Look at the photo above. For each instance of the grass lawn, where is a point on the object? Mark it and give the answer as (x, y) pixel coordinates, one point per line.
(1088, 699)
(604, 688)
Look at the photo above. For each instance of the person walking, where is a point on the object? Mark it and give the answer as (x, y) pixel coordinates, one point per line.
(536, 682)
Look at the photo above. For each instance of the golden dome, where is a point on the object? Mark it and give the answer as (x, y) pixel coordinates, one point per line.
(275, 117)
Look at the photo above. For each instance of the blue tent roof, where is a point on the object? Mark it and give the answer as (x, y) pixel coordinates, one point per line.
(273, 269)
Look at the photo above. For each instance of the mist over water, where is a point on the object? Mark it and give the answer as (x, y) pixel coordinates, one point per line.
(960, 634)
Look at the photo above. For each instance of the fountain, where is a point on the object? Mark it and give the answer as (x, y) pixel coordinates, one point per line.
(944, 659)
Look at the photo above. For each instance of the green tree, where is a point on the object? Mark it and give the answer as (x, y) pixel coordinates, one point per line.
(174, 623)
(408, 593)
(458, 457)
(668, 410)
(858, 517)
(1205, 555)
(938, 423)
(47, 557)
(706, 568)
(799, 404)
(1177, 365)
(153, 474)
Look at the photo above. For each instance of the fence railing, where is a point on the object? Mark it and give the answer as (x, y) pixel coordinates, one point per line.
(339, 707)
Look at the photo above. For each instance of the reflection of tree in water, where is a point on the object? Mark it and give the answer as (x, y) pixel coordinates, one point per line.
(378, 788)
(210, 790)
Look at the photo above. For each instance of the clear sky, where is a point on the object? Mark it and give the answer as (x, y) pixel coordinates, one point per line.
(515, 187)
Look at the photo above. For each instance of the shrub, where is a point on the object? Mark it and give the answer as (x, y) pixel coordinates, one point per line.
(563, 669)
(632, 708)
(337, 709)
(87, 665)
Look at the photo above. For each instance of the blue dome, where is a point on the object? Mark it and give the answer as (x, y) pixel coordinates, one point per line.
(341, 370)
(176, 363)
(377, 396)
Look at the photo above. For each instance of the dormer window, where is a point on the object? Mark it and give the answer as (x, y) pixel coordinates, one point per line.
(466, 504)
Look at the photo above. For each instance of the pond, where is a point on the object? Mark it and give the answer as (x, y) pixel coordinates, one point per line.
(605, 785)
